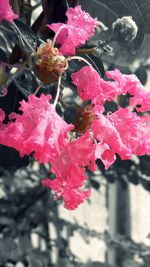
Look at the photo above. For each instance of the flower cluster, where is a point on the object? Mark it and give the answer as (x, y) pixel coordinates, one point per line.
(68, 148)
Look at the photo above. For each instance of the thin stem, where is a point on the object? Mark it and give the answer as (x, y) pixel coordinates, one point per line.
(102, 25)
(58, 91)
(38, 88)
(79, 58)
(18, 66)
(67, 5)
(14, 76)
(56, 35)
(24, 39)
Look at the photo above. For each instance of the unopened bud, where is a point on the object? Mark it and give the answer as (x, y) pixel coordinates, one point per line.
(125, 29)
(3, 76)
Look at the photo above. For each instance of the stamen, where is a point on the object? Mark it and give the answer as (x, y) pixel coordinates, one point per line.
(79, 58)
(56, 35)
(38, 88)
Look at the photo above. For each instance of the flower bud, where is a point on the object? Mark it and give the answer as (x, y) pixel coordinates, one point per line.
(125, 29)
(3, 76)
(3, 80)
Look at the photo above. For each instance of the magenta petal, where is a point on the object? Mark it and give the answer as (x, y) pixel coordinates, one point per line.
(140, 98)
(91, 87)
(78, 29)
(69, 168)
(74, 197)
(123, 132)
(39, 129)
(6, 11)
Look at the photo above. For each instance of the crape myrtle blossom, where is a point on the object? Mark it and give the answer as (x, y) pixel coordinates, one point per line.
(91, 87)
(140, 98)
(122, 132)
(69, 168)
(39, 130)
(6, 11)
(78, 29)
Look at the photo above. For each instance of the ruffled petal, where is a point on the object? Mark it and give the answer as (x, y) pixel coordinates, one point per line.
(78, 29)
(6, 11)
(39, 130)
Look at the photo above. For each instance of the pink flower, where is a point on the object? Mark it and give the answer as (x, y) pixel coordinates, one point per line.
(72, 197)
(6, 11)
(39, 129)
(91, 87)
(140, 98)
(106, 133)
(69, 168)
(78, 29)
(123, 132)
(87, 81)
(133, 130)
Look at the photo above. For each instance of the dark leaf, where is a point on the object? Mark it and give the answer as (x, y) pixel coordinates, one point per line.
(10, 159)
(110, 106)
(133, 179)
(111, 177)
(145, 165)
(96, 62)
(3, 56)
(100, 165)
(141, 73)
(28, 34)
(145, 183)
(54, 10)
(95, 184)
(10, 37)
